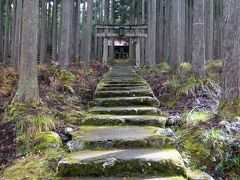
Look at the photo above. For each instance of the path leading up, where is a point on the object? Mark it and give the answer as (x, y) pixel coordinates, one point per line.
(124, 133)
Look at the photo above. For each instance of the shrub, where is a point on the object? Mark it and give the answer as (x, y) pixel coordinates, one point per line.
(32, 125)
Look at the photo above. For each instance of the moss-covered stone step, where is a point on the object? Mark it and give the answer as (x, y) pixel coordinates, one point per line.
(127, 101)
(106, 120)
(124, 82)
(123, 163)
(132, 178)
(121, 110)
(120, 88)
(121, 85)
(127, 137)
(124, 93)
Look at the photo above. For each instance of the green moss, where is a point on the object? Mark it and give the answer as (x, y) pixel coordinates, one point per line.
(214, 65)
(186, 67)
(67, 80)
(15, 110)
(163, 67)
(45, 140)
(195, 118)
(120, 168)
(35, 166)
(230, 109)
(73, 117)
(31, 167)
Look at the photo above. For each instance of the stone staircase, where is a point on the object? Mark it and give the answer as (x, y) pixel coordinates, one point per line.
(124, 134)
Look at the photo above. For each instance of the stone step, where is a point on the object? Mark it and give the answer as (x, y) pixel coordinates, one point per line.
(124, 93)
(106, 120)
(116, 88)
(123, 163)
(132, 178)
(122, 85)
(125, 110)
(127, 137)
(126, 101)
(110, 82)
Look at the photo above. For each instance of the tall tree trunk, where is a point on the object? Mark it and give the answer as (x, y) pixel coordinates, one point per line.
(43, 48)
(1, 30)
(198, 53)
(131, 40)
(151, 42)
(143, 11)
(88, 34)
(218, 29)
(17, 39)
(111, 50)
(143, 40)
(209, 16)
(49, 13)
(177, 35)
(231, 52)
(77, 29)
(100, 40)
(55, 32)
(6, 32)
(67, 5)
(28, 90)
(106, 10)
(13, 21)
(159, 34)
(167, 30)
(82, 49)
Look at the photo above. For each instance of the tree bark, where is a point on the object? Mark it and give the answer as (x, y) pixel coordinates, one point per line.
(167, 30)
(55, 33)
(177, 22)
(231, 51)
(111, 50)
(13, 21)
(82, 49)
(131, 40)
(28, 91)
(198, 53)
(88, 34)
(77, 30)
(43, 47)
(1, 30)
(159, 34)
(151, 42)
(49, 22)
(6, 32)
(17, 39)
(65, 33)
(218, 29)
(209, 16)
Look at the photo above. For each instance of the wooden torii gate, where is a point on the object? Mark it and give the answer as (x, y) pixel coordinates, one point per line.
(107, 31)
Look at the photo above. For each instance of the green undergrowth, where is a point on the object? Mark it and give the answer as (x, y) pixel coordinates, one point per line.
(210, 149)
(39, 166)
(230, 110)
(194, 118)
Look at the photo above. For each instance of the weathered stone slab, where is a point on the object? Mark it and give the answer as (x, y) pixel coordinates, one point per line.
(123, 163)
(104, 120)
(127, 101)
(90, 137)
(124, 93)
(121, 110)
(132, 178)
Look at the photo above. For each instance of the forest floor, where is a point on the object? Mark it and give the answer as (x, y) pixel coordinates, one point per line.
(207, 140)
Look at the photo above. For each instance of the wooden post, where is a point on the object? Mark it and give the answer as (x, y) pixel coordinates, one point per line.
(105, 48)
(138, 53)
